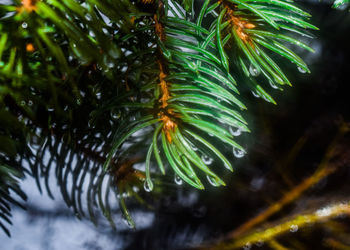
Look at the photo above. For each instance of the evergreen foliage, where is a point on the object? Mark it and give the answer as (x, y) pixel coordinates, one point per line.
(90, 88)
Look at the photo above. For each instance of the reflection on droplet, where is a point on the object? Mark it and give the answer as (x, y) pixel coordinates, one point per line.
(178, 180)
(259, 243)
(238, 153)
(254, 71)
(212, 181)
(294, 228)
(146, 187)
(115, 114)
(301, 70)
(247, 246)
(128, 223)
(30, 103)
(110, 65)
(273, 85)
(24, 25)
(235, 131)
(23, 103)
(255, 94)
(207, 160)
(194, 148)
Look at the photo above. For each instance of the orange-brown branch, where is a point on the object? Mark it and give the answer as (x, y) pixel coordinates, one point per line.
(238, 24)
(27, 5)
(166, 114)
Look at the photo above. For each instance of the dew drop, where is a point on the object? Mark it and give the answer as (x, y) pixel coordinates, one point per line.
(273, 85)
(194, 148)
(110, 65)
(23, 103)
(50, 109)
(115, 114)
(30, 103)
(238, 153)
(255, 94)
(301, 70)
(146, 187)
(74, 45)
(235, 131)
(247, 246)
(294, 228)
(128, 223)
(259, 243)
(178, 180)
(2, 64)
(212, 181)
(24, 25)
(207, 160)
(253, 71)
(78, 101)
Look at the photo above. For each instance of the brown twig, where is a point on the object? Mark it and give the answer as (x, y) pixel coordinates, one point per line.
(322, 171)
(292, 225)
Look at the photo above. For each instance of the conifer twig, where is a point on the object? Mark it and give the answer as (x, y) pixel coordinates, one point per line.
(297, 222)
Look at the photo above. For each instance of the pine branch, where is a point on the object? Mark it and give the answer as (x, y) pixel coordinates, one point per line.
(152, 77)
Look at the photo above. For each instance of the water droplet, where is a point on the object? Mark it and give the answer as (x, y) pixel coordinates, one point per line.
(23, 103)
(78, 101)
(210, 134)
(128, 223)
(116, 114)
(273, 85)
(24, 25)
(212, 181)
(30, 103)
(178, 180)
(294, 228)
(74, 45)
(247, 246)
(235, 131)
(207, 160)
(301, 70)
(50, 109)
(2, 64)
(259, 243)
(194, 148)
(255, 94)
(135, 189)
(70, 58)
(110, 65)
(146, 187)
(254, 71)
(238, 153)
